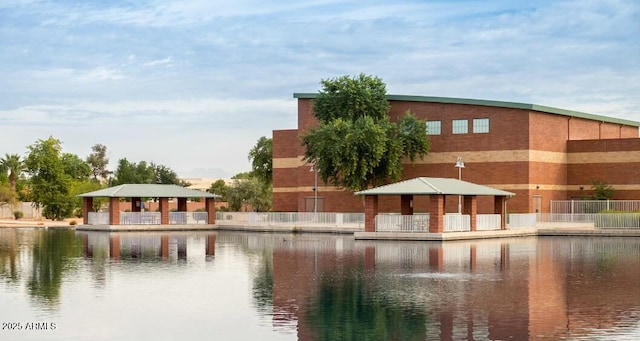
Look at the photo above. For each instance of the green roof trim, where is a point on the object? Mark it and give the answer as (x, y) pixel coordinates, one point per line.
(499, 104)
(148, 191)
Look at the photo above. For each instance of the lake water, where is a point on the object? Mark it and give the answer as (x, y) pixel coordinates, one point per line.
(68, 285)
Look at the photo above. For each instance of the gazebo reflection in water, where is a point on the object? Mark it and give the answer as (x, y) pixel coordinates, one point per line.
(145, 246)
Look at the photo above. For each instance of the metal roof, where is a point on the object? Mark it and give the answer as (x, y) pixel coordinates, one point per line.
(500, 104)
(148, 191)
(429, 186)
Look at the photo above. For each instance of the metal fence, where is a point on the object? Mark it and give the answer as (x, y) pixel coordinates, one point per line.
(150, 218)
(488, 222)
(457, 223)
(420, 222)
(290, 218)
(188, 218)
(402, 223)
(612, 220)
(593, 206)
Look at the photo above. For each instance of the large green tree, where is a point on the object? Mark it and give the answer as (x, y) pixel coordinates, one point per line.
(75, 167)
(134, 173)
(48, 181)
(356, 145)
(98, 161)
(219, 187)
(261, 157)
(145, 173)
(249, 191)
(12, 164)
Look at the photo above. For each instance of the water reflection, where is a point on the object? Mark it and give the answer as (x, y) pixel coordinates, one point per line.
(322, 287)
(543, 289)
(140, 246)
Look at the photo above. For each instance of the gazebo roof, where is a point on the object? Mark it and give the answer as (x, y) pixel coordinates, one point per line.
(429, 186)
(148, 191)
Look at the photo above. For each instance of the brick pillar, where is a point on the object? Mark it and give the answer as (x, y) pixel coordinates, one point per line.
(87, 206)
(406, 205)
(114, 211)
(210, 206)
(136, 204)
(164, 211)
(498, 208)
(436, 214)
(182, 204)
(370, 212)
(471, 209)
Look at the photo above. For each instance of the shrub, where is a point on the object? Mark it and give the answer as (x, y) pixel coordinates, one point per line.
(73, 222)
(77, 213)
(200, 209)
(18, 214)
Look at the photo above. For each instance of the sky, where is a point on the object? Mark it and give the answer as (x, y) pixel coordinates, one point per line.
(193, 84)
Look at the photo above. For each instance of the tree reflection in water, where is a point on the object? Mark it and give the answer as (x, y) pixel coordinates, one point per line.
(9, 255)
(348, 308)
(53, 255)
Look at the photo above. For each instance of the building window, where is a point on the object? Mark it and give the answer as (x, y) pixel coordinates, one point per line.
(460, 126)
(480, 125)
(434, 127)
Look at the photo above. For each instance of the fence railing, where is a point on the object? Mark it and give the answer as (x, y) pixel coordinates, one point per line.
(457, 223)
(488, 222)
(593, 206)
(188, 218)
(597, 220)
(290, 218)
(402, 223)
(140, 218)
(150, 218)
(617, 220)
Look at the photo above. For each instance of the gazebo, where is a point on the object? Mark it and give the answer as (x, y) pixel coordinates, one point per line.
(437, 189)
(135, 192)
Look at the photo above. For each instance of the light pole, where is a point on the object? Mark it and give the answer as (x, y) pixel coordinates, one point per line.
(459, 165)
(314, 168)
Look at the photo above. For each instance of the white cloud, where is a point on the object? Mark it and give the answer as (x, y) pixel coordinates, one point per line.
(215, 76)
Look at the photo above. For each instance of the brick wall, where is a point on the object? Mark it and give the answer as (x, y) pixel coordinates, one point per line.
(525, 152)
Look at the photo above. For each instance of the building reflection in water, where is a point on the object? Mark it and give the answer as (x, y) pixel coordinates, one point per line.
(537, 288)
(143, 246)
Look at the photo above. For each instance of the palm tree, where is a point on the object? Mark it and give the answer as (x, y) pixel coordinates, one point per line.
(12, 164)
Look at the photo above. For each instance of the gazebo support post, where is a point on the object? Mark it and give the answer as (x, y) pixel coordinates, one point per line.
(498, 208)
(210, 207)
(164, 211)
(370, 212)
(87, 206)
(436, 216)
(114, 211)
(471, 209)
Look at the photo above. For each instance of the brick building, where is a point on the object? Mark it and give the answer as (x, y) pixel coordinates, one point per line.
(540, 153)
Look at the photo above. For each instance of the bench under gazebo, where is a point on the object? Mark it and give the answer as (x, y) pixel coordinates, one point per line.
(137, 219)
(437, 189)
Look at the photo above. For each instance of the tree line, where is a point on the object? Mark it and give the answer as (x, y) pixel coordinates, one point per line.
(51, 179)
